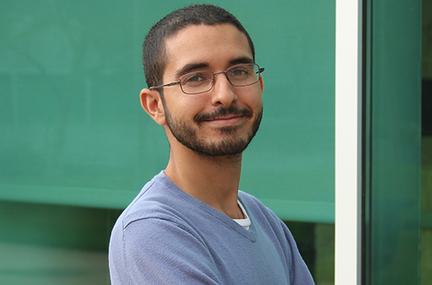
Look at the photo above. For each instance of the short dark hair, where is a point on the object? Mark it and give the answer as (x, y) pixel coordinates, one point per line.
(154, 58)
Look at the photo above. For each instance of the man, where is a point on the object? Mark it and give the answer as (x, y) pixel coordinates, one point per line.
(190, 224)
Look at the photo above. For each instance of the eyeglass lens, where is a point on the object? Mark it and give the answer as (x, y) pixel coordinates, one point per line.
(202, 81)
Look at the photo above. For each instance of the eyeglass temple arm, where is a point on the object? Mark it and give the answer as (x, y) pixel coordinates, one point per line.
(164, 85)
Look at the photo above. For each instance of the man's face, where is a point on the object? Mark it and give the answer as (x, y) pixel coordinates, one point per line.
(223, 120)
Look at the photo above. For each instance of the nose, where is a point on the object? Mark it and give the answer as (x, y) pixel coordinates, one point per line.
(223, 92)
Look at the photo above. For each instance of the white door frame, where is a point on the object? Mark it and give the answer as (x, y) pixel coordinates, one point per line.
(348, 87)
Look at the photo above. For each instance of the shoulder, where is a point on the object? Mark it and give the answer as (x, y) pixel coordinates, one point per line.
(157, 201)
(150, 231)
(155, 250)
(153, 242)
(157, 213)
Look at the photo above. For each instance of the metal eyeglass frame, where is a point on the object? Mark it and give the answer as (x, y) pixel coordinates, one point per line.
(259, 71)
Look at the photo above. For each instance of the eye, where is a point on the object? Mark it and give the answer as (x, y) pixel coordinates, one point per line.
(195, 78)
(240, 71)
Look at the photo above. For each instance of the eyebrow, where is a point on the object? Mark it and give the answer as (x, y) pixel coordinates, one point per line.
(239, 60)
(190, 67)
(200, 65)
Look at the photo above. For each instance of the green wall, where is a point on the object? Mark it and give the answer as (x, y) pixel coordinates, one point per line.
(73, 131)
(427, 39)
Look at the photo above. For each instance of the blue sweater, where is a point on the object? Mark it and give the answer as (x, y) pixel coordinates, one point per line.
(166, 236)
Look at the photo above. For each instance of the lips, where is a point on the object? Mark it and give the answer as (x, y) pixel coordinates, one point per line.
(225, 122)
(224, 118)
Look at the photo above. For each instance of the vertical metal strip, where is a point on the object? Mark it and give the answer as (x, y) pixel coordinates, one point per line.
(348, 86)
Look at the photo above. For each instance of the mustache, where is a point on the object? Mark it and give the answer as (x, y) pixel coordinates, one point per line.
(221, 111)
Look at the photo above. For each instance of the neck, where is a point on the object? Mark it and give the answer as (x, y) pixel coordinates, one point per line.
(213, 180)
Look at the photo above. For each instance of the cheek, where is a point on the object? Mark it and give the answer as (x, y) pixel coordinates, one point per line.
(254, 101)
(184, 110)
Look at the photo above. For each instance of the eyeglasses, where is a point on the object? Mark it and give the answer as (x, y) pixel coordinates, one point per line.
(197, 82)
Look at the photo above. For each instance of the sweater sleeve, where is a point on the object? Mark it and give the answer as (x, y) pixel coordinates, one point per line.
(157, 251)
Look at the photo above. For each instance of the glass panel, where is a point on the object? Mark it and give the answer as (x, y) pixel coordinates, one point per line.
(393, 143)
(49, 245)
(426, 196)
(316, 244)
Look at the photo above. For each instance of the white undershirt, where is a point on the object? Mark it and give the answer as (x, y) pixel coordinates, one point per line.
(245, 223)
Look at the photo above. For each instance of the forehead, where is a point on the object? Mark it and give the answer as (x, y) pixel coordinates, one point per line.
(214, 45)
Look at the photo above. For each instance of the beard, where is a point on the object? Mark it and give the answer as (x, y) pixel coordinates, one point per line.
(230, 145)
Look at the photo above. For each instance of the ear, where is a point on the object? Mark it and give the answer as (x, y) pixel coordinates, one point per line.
(151, 102)
(261, 81)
